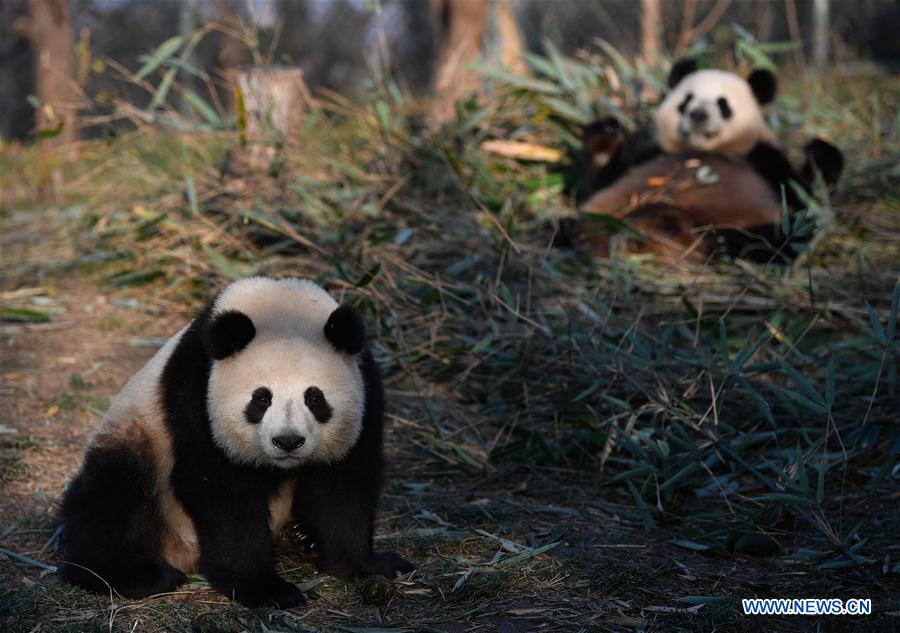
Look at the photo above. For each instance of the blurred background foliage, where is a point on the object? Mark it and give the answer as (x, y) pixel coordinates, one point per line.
(335, 41)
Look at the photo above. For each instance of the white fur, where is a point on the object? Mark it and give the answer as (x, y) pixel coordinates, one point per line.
(737, 135)
(288, 354)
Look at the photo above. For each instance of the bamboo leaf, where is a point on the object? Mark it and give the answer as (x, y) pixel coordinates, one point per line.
(228, 268)
(203, 108)
(51, 132)
(761, 405)
(829, 384)
(801, 470)
(895, 306)
(877, 329)
(820, 483)
(646, 516)
(803, 383)
(24, 315)
(681, 474)
(529, 553)
(691, 545)
(162, 91)
(818, 407)
(162, 53)
(191, 191)
(369, 276)
(778, 497)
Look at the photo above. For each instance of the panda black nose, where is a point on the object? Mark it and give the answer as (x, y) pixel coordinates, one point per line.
(287, 443)
(699, 115)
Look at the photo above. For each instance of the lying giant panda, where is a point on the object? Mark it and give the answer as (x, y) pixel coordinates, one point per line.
(267, 407)
(714, 166)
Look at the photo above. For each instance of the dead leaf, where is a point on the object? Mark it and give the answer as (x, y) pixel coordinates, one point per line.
(523, 151)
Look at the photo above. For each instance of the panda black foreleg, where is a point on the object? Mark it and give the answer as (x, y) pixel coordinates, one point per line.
(337, 512)
(335, 505)
(237, 553)
(773, 165)
(823, 157)
(602, 144)
(762, 244)
(111, 525)
(339, 518)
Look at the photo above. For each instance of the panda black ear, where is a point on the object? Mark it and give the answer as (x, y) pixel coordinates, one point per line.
(681, 69)
(227, 333)
(345, 330)
(763, 84)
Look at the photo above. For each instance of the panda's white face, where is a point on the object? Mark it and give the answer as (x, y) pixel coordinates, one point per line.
(283, 402)
(711, 111)
(285, 387)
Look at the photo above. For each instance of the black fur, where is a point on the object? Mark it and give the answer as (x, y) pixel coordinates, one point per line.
(681, 69)
(763, 84)
(345, 330)
(260, 401)
(110, 516)
(227, 333)
(824, 157)
(762, 244)
(111, 525)
(315, 401)
(724, 108)
(335, 504)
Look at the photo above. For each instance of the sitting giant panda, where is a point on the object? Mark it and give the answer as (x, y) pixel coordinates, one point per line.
(267, 407)
(714, 166)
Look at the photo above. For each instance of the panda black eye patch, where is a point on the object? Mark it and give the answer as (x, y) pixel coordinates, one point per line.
(316, 402)
(684, 104)
(259, 403)
(724, 108)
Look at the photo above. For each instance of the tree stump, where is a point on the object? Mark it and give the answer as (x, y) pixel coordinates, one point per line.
(270, 104)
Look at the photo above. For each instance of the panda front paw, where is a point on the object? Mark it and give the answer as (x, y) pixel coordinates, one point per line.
(567, 233)
(605, 128)
(389, 565)
(302, 542)
(826, 158)
(277, 593)
(602, 140)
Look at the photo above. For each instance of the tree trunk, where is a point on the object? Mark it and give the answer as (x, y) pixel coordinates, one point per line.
(270, 105)
(460, 30)
(50, 31)
(820, 33)
(508, 41)
(232, 52)
(651, 22)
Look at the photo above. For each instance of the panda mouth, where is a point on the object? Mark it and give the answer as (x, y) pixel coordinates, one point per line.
(688, 132)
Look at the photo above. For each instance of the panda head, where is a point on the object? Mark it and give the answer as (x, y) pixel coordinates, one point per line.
(714, 110)
(285, 388)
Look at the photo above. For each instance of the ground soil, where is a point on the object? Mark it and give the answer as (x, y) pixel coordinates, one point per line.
(606, 573)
